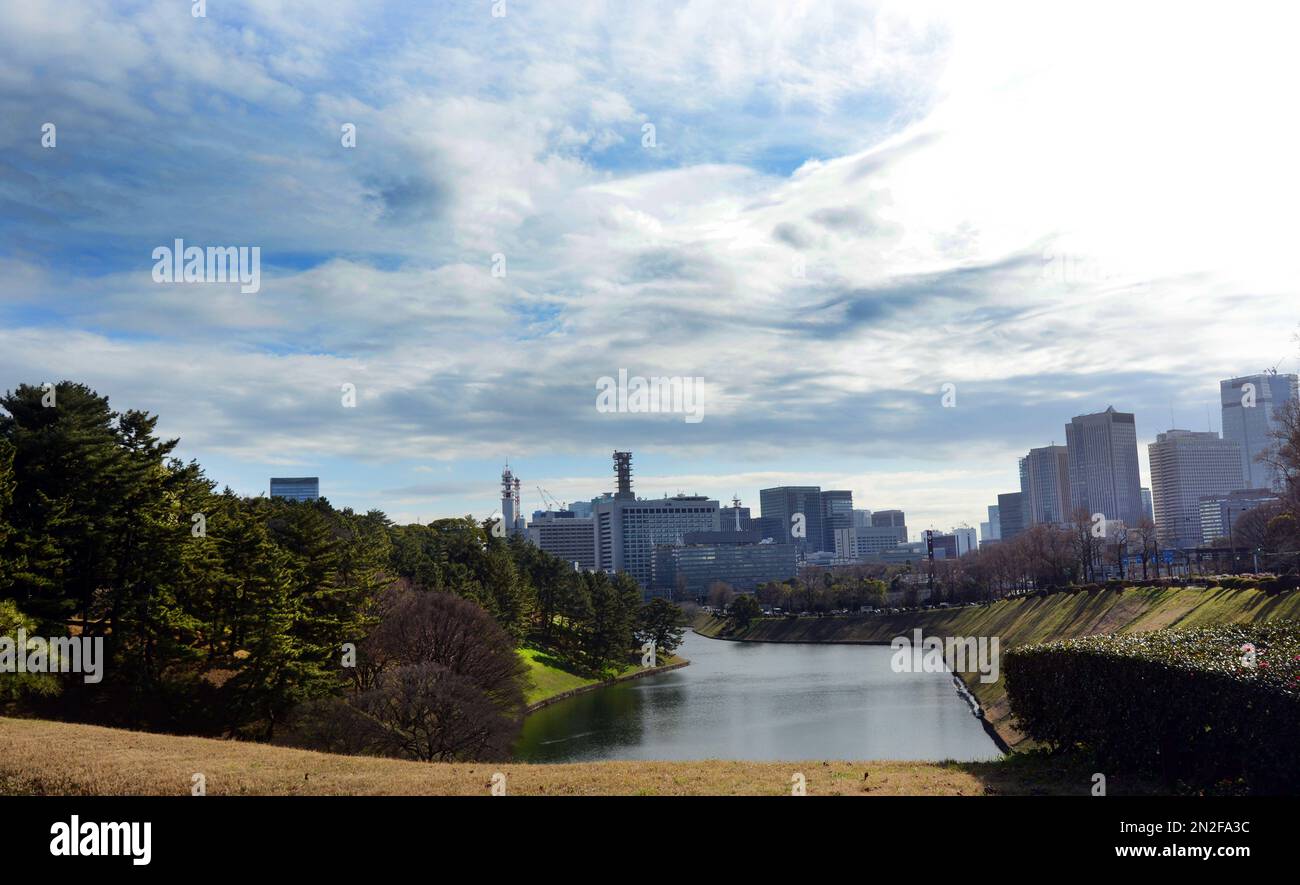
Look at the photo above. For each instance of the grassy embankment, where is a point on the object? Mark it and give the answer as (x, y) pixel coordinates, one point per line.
(1031, 619)
(549, 679)
(57, 758)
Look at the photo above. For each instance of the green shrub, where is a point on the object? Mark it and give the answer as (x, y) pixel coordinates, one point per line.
(17, 686)
(1183, 704)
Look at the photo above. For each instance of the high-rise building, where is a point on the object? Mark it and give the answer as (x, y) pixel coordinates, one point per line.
(688, 569)
(1250, 405)
(1104, 465)
(1186, 466)
(1045, 485)
(296, 488)
(780, 504)
(861, 519)
(1011, 515)
(894, 519)
(1219, 513)
(628, 528)
(1148, 505)
(565, 534)
(994, 531)
(837, 513)
(966, 539)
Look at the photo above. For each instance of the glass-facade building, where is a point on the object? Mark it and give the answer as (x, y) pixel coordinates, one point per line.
(296, 488)
(779, 505)
(691, 569)
(1250, 405)
(1011, 515)
(837, 513)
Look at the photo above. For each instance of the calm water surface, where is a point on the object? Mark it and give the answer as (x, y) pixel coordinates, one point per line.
(753, 700)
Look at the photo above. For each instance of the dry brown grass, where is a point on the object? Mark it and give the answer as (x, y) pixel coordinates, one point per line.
(55, 758)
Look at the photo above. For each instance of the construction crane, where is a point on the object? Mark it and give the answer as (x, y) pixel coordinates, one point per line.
(549, 500)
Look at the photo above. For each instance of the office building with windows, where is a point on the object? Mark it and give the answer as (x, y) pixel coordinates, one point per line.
(1045, 485)
(565, 534)
(1219, 513)
(1250, 404)
(780, 505)
(1186, 466)
(1011, 515)
(837, 513)
(689, 569)
(296, 488)
(1104, 465)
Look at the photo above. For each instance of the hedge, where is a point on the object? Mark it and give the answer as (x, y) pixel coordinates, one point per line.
(1185, 705)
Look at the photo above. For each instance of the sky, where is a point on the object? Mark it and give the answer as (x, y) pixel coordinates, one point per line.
(825, 211)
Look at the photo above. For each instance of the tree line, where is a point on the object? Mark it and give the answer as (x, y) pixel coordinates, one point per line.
(265, 618)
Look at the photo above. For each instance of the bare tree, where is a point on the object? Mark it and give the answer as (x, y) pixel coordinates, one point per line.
(438, 679)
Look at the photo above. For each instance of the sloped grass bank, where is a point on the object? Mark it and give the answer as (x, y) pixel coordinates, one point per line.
(550, 680)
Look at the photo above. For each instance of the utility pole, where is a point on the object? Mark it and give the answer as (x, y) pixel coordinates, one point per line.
(929, 554)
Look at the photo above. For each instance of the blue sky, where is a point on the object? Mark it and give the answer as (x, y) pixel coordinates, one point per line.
(1048, 210)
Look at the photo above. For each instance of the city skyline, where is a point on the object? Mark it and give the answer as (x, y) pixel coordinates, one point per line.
(836, 212)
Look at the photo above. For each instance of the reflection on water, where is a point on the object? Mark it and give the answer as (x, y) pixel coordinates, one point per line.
(751, 700)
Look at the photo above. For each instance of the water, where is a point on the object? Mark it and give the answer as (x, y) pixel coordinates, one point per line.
(753, 700)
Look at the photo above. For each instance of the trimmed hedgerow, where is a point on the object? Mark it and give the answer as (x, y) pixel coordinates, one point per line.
(1193, 706)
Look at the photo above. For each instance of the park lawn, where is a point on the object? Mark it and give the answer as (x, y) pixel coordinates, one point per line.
(548, 676)
(56, 758)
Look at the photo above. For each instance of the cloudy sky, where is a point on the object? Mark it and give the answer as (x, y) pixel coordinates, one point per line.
(844, 207)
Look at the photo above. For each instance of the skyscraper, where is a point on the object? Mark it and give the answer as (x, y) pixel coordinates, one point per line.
(1187, 465)
(1011, 515)
(1104, 465)
(1045, 484)
(837, 513)
(295, 488)
(780, 504)
(994, 524)
(1250, 405)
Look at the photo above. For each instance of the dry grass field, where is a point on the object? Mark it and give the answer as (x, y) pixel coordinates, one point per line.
(54, 758)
